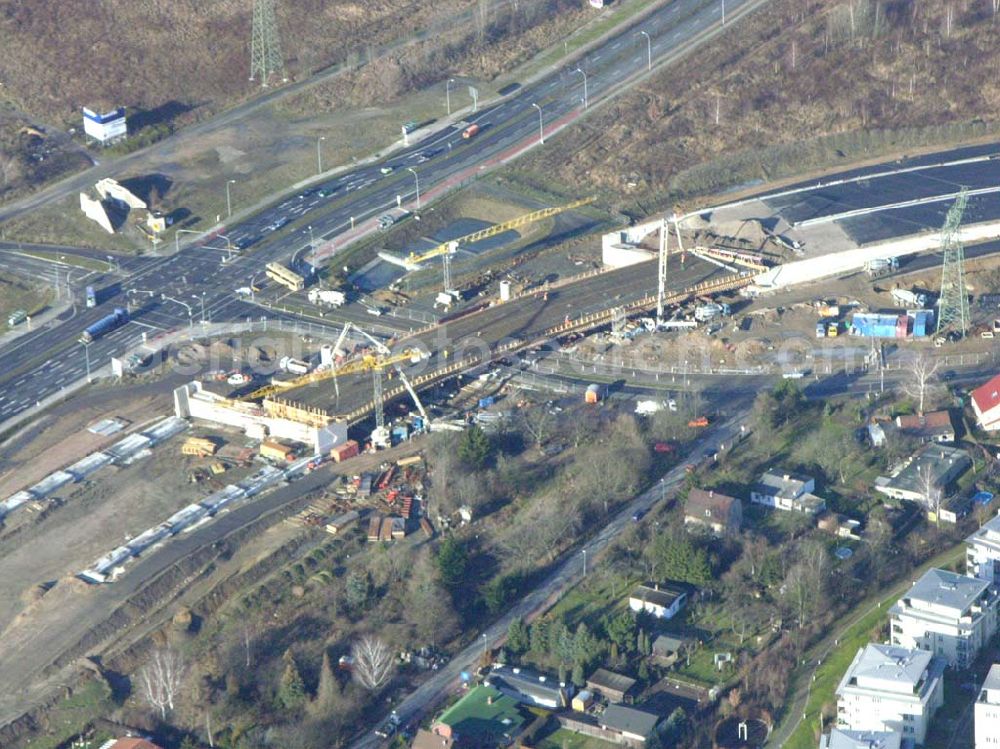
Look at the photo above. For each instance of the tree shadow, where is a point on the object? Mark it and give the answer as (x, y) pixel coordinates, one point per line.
(163, 114)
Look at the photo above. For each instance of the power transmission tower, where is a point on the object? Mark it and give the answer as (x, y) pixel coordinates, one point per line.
(954, 302)
(265, 46)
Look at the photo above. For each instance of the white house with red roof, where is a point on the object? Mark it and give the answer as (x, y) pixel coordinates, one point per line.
(986, 404)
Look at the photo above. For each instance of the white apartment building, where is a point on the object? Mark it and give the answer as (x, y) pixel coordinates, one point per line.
(948, 614)
(987, 711)
(891, 689)
(982, 558)
(838, 739)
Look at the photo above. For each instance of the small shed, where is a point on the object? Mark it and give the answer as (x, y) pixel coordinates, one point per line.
(612, 686)
(583, 700)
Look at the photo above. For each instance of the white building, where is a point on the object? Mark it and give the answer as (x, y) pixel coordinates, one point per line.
(986, 404)
(105, 128)
(947, 614)
(987, 711)
(662, 601)
(838, 739)
(888, 688)
(787, 491)
(982, 557)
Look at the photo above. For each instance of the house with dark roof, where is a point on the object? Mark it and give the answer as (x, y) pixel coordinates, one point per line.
(712, 510)
(925, 476)
(529, 687)
(611, 686)
(634, 726)
(667, 649)
(986, 403)
(935, 426)
(663, 601)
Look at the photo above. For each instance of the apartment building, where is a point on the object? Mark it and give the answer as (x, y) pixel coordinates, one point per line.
(982, 557)
(987, 711)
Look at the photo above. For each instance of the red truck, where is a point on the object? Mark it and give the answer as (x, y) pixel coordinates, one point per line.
(470, 131)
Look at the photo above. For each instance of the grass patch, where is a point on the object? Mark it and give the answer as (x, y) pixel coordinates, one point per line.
(74, 715)
(566, 739)
(16, 294)
(86, 263)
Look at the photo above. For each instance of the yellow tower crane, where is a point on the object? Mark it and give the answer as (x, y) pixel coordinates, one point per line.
(445, 250)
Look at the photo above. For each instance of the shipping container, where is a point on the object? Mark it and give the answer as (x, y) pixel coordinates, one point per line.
(342, 452)
(105, 325)
(276, 451)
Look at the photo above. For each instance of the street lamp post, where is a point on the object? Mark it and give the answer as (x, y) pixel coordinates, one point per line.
(312, 239)
(649, 50)
(486, 644)
(229, 201)
(86, 354)
(319, 154)
(416, 179)
(585, 100)
(202, 306)
(177, 237)
(584, 562)
(541, 127)
(723, 12)
(447, 93)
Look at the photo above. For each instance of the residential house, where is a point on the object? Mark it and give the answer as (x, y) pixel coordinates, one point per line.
(935, 426)
(838, 739)
(947, 614)
(129, 743)
(986, 404)
(787, 491)
(982, 557)
(611, 686)
(926, 475)
(529, 687)
(987, 711)
(662, 601)
(483, 718)
(889, 688)
(667, 649)
(634, 726)
(710, 509)
(429, 740)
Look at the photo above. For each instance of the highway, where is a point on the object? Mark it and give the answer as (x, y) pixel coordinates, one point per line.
(38, 365)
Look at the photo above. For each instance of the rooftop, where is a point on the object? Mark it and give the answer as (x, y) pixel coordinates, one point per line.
(988, 531)
(784, 485)
(129, 743)
(840, 739)
(483, 713)
(527, 682)
(947, 589)
(427, 740)
(602, 678)
(943, 464)
(629, 720)
(889, 667)
(928, 425)
(991, 684)
(658, 594)
(987, 395)
(710, 504)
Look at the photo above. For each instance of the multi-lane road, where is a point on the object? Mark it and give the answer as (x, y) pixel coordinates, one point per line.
(170, 291)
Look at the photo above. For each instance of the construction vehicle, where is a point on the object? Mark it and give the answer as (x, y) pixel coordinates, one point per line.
(329, 297)
(105, 325)
(445, 250)
(198, 447)
(286, 277)
(909, 299)
(881, 266)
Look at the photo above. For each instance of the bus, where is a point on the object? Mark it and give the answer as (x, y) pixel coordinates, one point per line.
(91, 297)
(287, 278)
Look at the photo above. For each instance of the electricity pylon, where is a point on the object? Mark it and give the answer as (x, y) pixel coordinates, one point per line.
(953, 312)
(265, 46)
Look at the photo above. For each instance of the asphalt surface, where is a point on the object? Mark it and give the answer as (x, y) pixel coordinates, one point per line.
(880, 188)
(39, 365)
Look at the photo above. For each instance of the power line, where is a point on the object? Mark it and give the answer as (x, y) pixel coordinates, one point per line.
(954, 301)
(265, 44)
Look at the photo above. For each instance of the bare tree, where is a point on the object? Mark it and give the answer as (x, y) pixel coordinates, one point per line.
(373, 662)
(930, 490)
(536, 421)
(161, 679)
(922, 372)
